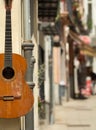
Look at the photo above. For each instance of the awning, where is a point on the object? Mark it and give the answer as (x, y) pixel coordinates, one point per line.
(85, 48)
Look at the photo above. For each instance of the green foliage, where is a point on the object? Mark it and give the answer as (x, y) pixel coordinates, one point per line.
(41, 108)
(41, 75)
(89, 24)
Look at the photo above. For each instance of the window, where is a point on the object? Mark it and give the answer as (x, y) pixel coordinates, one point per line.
(89, 18)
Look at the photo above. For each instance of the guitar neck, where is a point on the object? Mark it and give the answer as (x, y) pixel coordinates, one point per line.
(8, 40)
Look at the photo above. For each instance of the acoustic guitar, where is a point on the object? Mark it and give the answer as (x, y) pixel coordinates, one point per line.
(16, 98)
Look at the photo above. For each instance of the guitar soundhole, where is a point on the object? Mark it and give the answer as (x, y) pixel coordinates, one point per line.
(8, 73)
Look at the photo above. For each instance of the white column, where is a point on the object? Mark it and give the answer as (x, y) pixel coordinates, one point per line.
(36, 88)
(35, 40)
(47, 50)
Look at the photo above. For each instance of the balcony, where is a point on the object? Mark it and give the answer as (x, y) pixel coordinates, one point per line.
(47, 10)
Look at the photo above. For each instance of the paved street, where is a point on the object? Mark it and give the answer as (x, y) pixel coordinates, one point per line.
(75, 115)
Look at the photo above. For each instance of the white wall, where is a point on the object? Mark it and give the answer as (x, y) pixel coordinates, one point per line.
(93, 32)
(11, 124)
(16, 25)
(94, 17)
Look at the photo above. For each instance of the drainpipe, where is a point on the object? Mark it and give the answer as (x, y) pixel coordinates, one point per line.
(27, 46)
(51, 107)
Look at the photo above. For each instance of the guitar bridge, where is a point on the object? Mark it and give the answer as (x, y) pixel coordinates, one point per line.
(8, 98)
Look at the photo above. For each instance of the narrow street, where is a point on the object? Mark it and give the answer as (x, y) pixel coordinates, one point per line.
(75, 115)
(47, 61)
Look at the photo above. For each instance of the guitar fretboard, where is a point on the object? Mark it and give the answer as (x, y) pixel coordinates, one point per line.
(8, 40)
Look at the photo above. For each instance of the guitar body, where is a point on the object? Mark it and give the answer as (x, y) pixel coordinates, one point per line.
(16, 98)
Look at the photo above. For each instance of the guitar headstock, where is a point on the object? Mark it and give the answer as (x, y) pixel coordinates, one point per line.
(8, 4)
